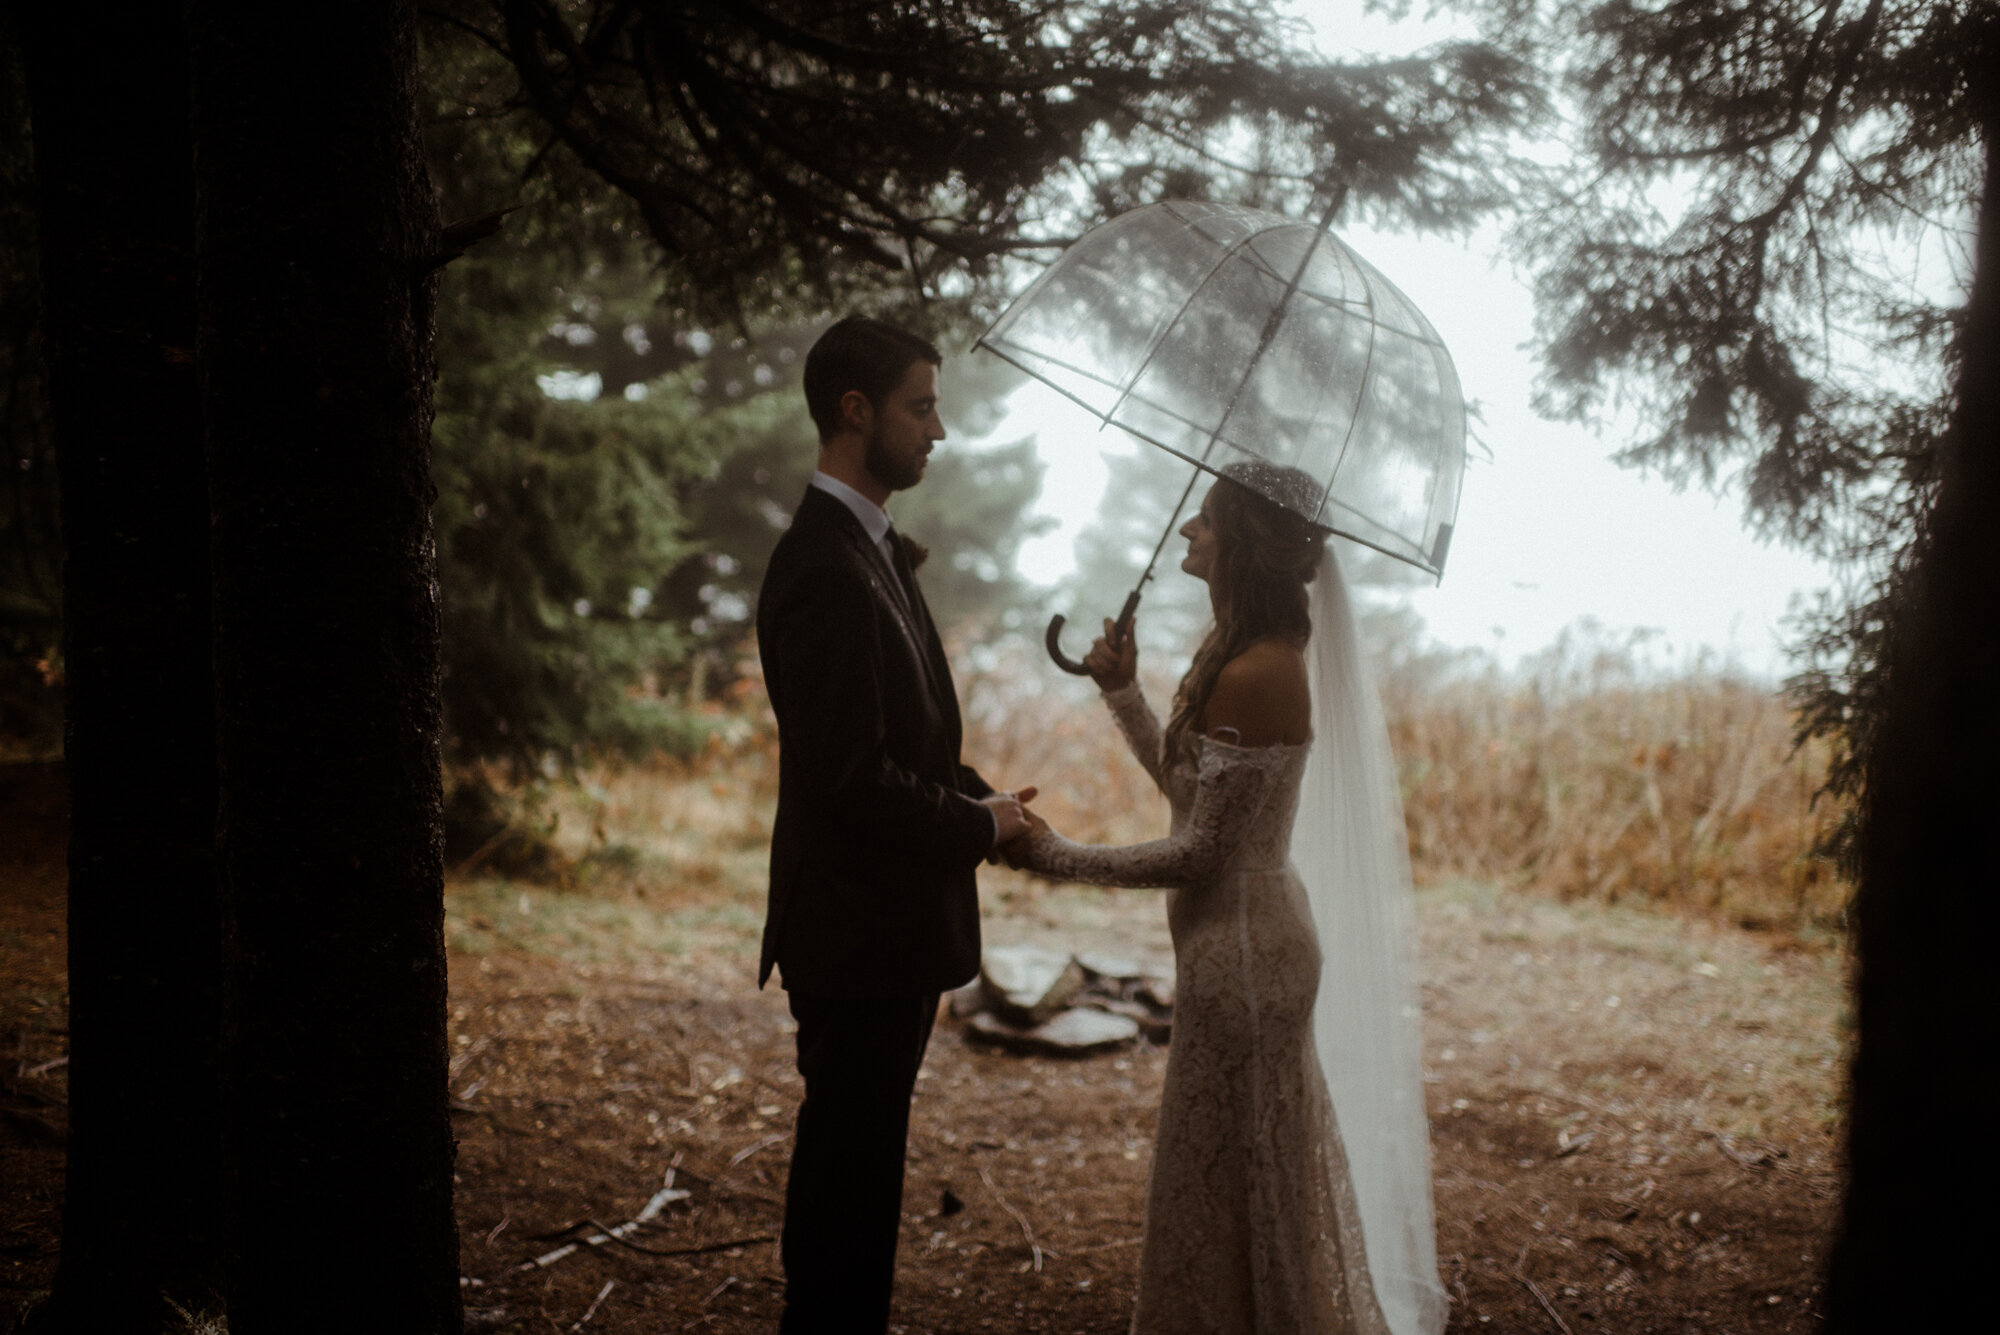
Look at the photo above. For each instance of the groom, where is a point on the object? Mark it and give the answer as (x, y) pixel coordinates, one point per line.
(873, 908)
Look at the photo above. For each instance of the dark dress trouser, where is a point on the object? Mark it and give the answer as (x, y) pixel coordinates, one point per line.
(844, 1196)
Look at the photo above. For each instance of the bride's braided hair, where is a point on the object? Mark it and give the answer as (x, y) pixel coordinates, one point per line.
(1265, 555)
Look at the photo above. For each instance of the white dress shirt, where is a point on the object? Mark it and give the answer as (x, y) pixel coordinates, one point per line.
(874, 519)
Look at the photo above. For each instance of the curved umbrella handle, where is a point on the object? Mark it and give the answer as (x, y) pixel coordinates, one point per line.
(1052, 641)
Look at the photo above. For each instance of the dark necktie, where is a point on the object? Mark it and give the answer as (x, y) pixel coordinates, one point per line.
(899, 560)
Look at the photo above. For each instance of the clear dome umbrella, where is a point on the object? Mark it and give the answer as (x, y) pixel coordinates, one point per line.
(1224, 335)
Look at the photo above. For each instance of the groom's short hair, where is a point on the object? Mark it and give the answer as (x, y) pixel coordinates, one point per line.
(860, 352)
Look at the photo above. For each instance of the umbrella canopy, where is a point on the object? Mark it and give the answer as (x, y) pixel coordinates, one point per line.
(1223, 333)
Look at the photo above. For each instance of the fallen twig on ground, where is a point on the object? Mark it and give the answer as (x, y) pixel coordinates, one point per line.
(708, 1247)
(1547, 1306)
(751, 1149)
(665, 1196)
(1034, 1248)
(591, 1310)
(1747, 1153)
(728, 1188)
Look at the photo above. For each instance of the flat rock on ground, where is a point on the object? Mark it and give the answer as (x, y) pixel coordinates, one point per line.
(1077, 1032)
(1029, 984)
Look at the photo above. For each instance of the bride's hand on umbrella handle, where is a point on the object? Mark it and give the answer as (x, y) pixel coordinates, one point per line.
(1113, 659)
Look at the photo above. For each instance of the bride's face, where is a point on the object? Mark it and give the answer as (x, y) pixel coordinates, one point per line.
(1200, 533)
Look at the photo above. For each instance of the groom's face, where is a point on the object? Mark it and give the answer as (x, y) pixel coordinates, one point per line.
(904, 429)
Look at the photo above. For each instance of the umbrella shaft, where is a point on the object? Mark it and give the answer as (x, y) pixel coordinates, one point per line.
(1132, 599)
(1270, 330)
(1172, 519)
(1271, 323)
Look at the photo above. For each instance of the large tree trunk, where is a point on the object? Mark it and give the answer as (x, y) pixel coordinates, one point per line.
(317, 230)
(1921, 1180)
(108, 88)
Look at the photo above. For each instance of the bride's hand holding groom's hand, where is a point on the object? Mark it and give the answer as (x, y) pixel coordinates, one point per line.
(1113, 660)
(1015, 823)
(1010, 814)
(1015, 851)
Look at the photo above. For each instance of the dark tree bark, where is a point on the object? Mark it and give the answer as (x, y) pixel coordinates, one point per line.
(316, 260)
(1921, 1181)
(108, 88)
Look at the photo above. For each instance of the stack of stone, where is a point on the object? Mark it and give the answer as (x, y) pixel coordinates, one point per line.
(1030, 999)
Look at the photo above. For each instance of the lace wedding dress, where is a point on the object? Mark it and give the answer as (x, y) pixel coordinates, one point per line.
(1253, 1224)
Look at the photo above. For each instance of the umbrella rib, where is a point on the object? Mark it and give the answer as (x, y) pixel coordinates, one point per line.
(1127, 428)
(1392, 552)
(1168, 326)
(1364, 310)
(1271, 323)
(1237, 235)
(1347, 437)
(1187, 458)
(1085, 373)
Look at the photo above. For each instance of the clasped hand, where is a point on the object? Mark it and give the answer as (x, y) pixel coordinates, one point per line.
(1113, 662)
(1016, 822)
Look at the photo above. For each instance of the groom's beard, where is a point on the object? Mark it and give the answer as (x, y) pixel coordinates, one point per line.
(894, 473)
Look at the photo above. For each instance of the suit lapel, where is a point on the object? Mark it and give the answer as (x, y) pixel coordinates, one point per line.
(888, 586)
(928, 640)
(934, 653)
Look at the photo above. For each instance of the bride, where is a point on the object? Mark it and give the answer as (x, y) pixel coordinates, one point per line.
(1290, 1184)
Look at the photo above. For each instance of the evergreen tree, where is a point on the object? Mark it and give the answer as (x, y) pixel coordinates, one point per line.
(30, 578)
(612, 475)
(317, 247)
(1765, 247)
(964, 135)
(551, 512)
(143, 1203)
(783, 149)
(1759, 257)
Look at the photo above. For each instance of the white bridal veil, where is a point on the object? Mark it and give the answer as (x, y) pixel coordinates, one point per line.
(1350, 848)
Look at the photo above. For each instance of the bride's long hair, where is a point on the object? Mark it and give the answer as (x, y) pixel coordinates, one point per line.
(1265, 555)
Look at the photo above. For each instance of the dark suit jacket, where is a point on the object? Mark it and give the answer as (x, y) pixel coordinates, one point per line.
(879, 833)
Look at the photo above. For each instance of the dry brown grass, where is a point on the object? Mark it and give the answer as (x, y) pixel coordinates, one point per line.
(1587, 776)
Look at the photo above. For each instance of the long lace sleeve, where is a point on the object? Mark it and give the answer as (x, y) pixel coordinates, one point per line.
(1230, 787)
(1140, 727)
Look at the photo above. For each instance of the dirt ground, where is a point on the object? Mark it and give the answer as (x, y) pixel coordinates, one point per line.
(1634, 1117)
